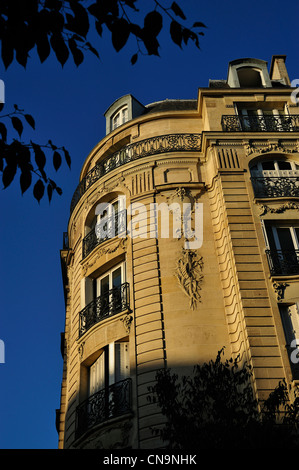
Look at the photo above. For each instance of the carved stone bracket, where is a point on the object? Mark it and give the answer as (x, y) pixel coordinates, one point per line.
(127, 321)
(189, 275)
(279, 288)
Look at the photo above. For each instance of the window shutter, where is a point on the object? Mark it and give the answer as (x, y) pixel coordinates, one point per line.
(122, 363)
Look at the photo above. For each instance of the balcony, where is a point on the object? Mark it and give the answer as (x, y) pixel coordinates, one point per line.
(283, 262)
(110, 227)
(114, 301)
(272, 186)
(265, 123)
(111, 402)
(144, 148)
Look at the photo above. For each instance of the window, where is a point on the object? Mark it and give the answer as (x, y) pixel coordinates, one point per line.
(103, 297)
(109, 221)
(109, 387)
(275, 168)
(282, 243)
(112, 366)
(249, 77)
(119, 118)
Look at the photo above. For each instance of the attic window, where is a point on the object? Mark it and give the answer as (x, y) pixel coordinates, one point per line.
(249, 77)
(119, 118)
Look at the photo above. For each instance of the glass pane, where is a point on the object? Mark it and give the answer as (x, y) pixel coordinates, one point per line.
(285, 238)
(104, 285)
(268, 165)
(284, 165)
(116, 278)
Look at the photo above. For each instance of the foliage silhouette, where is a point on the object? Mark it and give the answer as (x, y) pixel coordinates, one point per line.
(64, 26)
(216, 408)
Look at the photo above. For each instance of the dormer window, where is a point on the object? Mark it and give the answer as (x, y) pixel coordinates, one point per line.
(119, 118)
(249, 77)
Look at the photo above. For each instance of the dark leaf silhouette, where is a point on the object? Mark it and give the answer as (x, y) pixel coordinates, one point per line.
(17, 124)
(67, 157)
(56, 160)
(38, 190)
(134, 59)
(60, 48)
(8, 174)
(78, 55)
(30, 120)
(25, 180)
(177, 10)
(40, 156)
(120, 33)
(176, 32)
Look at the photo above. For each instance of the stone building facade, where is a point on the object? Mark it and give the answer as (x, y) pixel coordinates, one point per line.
(139, 295)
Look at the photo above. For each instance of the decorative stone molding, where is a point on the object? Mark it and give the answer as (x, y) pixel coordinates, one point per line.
(279, 288)
(269, 147)
(277, 210)
(189, 275)
(121, 243)
(81, 349)
(127, 320)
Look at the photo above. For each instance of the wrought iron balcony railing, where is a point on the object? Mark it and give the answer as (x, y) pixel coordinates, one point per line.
(283, 262)
(272, 186)
(114, 301)
(131, 152)
(110, 402)
(110, 227)
(266, 123)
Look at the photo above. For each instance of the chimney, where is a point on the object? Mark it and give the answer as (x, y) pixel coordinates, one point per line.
(278, 70)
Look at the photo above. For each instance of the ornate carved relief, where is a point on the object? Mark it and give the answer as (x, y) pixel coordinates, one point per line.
(189, 274)
(270, 147)
(120, 243)
(287, 206)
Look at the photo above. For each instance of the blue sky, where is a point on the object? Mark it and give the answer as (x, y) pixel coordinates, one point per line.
(68, 106)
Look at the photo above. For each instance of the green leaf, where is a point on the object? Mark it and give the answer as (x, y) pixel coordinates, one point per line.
(17, 124)
(177, 10)
(38, 190)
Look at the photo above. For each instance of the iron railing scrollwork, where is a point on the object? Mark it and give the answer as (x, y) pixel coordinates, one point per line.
(110, 402)
(264, 123)
(109, 227)
(144, 148)
(283, 262)
(114, 301)
(280, 186)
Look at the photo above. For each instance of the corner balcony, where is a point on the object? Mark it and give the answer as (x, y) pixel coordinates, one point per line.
(144, 148)
(275, 186)
(266, 123)
(283, 262)
(111, 402)
(114, 301)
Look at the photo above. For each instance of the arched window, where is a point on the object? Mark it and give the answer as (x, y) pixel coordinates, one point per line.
(107, 220)
(119, 118)
(249, 77)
